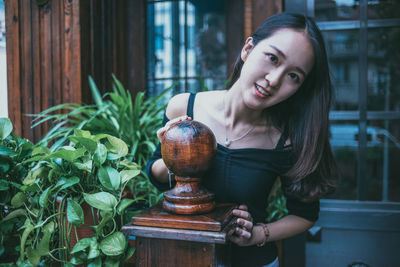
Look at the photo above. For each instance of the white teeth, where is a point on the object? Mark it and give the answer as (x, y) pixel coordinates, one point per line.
(262, 91)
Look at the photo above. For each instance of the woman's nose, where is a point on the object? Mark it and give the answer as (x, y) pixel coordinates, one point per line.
(274, 78)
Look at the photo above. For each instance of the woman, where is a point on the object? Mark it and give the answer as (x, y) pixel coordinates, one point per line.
(272, 121)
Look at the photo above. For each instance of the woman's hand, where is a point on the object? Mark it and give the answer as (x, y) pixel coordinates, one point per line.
(242, 234)
(169, 124)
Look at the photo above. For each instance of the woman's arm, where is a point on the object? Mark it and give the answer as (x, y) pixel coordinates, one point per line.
(175, 112)
(247, 235)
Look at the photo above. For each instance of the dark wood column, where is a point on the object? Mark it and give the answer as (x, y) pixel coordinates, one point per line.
(43, 59)
(256, 11)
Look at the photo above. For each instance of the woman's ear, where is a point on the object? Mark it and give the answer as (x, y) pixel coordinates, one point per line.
(248, 46)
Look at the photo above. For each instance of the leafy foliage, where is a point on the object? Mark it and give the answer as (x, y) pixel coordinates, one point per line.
(116, 113)
(97, 152)
(13, 151)
(277, 203)
(48, 201)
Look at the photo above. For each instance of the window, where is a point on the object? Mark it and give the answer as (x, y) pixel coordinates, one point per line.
(186, 44)
(362, 39)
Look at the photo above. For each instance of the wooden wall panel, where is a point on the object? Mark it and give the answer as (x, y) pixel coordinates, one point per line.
(256, 11)
(53, 48)
(43, 59)
(235, 31)
(26, 73)
(13, 63)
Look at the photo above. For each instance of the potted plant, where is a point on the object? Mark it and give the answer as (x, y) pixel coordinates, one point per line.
(92, 171)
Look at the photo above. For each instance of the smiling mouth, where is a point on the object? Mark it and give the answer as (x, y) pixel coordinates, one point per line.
(262, 91)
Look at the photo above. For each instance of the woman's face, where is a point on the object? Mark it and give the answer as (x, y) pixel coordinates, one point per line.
(275, 68)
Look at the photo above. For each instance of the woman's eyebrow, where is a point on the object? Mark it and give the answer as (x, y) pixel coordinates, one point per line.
(284, 57)
(279, 51)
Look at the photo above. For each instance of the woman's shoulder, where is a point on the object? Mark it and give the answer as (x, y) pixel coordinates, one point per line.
(177, 106)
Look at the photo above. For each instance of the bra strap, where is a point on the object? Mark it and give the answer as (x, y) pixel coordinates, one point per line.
(190, 105)
(282, 140)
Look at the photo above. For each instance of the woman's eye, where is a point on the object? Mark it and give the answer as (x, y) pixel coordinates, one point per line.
(273, 58)
(294, 77)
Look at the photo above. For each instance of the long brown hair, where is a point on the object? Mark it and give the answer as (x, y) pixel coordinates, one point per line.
(304, 117)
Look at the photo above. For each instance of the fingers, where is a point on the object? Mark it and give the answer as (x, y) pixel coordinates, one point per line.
(242, 214)
(169, 124)
(242, 233)
(248, 225)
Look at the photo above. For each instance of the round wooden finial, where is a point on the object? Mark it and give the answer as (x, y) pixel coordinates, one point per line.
(187, 149)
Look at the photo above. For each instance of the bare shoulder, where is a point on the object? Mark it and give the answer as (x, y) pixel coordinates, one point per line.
(177, 106)
(210, 98)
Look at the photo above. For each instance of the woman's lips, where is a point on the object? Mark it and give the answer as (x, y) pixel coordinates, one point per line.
(261, 91)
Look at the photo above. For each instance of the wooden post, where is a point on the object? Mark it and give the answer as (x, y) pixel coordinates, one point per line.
(165, 239)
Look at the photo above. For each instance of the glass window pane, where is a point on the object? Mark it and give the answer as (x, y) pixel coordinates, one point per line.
(187, 41)
(383, 9)
(342, 49)
(344, 142)
(336, 10)
(384, 69)
(382, 160)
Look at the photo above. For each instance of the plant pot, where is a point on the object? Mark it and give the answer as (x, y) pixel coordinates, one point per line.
(91, 218)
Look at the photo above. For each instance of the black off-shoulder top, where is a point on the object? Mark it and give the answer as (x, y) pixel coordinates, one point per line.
(246, 176)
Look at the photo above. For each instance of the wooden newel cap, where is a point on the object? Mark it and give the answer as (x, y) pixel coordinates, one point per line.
(188, 148)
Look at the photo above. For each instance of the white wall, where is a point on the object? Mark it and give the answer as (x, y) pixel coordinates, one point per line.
(3, 65)
(3, 83)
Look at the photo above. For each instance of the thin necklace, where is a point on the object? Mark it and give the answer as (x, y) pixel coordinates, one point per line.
(228, 141)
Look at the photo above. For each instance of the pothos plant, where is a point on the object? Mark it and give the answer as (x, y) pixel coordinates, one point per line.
(90, 170)
(13, 151)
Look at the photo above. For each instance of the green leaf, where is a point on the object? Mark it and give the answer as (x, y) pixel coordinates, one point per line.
(111, 262)
(44, 197)
(82, 133)
(18, 200)
(117, 146)
(86, 166)
(125, 202)
(68, 153)
(106, 217)
(130, 164)
(95, 263)
(14, 214)
(29, 228)
(109, 178)
(7, 152)
(114, 244)
(95, 92)
(40, 150)
(29, 179)
(100, 155)
(5, 128)
(43, 246)
(102, 201)
(89, 144)
(82, 245)
(78, 258)
(94, 250)
(128, 175)
(67, 182)
(33, 256)
(74, 213)
(3, 185)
